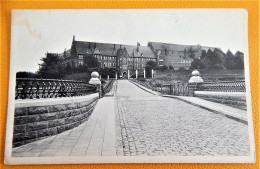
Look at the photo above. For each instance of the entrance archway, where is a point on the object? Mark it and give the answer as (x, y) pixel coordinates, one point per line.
(124, 75)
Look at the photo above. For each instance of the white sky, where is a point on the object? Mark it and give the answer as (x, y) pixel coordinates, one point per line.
(34, 32)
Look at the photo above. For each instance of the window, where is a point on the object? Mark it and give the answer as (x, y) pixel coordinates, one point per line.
(80, 62)
(81, 57)
(160, 62)
(109, 65)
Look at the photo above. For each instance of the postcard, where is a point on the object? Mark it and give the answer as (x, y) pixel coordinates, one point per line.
(129, 86)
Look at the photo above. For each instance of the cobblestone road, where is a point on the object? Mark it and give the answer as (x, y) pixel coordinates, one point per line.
(153, 125)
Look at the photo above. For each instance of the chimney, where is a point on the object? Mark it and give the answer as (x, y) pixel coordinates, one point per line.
(89, 45)
(114, 46)
(165, 51)
(73, 38)
(95, 45)
(138, 44)
(120, 46)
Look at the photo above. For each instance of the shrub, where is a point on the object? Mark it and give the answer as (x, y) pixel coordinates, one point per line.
(157, 84)
(182, 68)
(142, 79)
(171, 67)
(164, 67)
(197, 64)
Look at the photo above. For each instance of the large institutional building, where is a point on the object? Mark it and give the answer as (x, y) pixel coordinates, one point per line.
(130, 57)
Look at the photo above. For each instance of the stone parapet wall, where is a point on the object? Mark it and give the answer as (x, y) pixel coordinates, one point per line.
(38, 119)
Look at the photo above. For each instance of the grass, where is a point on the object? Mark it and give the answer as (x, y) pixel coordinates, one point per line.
(172, 76)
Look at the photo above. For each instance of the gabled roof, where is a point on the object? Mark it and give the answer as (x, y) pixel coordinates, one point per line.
(83, 47)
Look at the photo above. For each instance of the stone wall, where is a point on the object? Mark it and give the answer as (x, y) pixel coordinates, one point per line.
(38, 119)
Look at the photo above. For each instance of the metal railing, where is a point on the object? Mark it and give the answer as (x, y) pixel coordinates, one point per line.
(177, 89)
(187, 89)
(108, 86)
(28, 88)
(228, 86)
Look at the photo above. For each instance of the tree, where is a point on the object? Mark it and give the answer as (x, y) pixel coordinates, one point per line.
(239, 60)
(69, 68)
(108, 71)
(207, 57)
(51, 67)
(230, 62)
(214, 60)
(191, 52)
(203, 54)
(25, 75)
(197, 64)
(164, 67)
(91, 62)
(149, 66)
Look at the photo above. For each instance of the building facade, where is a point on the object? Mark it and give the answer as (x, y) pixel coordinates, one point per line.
(175, 55)
(132, 58)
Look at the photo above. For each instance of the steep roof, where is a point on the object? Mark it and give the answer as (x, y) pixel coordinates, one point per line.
(177, 47)
(83, 47)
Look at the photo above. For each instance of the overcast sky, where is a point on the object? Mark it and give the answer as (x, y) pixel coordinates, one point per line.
(34, 32)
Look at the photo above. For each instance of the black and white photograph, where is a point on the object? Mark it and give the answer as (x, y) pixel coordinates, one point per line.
(129, 86)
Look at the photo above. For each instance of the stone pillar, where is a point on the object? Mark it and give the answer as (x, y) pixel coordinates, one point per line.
(136, 74)
(128, 74)
(144, 73)
(152, 74)
(107, 77)
(116, 75)
(95, 81)
(194, 81)
(99, 76)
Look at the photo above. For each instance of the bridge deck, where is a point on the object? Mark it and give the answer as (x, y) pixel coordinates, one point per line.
(134, 122)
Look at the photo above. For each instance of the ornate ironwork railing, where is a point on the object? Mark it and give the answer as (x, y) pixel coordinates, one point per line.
(28, 88)
(228, 86)
(108, 86)
(178, 89)
(186, 89)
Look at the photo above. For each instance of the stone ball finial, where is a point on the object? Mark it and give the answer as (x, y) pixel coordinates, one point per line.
(195, 73)
(195, 78)
(94, 75)
(94, 79)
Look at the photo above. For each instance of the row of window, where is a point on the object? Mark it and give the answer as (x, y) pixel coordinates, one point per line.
(141, 59)
(180, 63)
(98, 57)
(109, 64)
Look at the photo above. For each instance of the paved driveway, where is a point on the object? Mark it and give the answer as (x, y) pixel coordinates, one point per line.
(154, 125)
